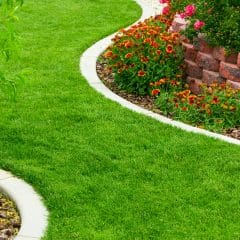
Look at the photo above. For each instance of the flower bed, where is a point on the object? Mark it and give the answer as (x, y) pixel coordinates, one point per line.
(207, 64)
(149, 59)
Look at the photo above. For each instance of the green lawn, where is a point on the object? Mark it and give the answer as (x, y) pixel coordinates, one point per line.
(105, 172)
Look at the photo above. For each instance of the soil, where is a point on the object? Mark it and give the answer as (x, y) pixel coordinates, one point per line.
(147, 102)
(10, 221)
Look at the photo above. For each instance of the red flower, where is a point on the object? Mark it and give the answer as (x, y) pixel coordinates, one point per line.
(169, 48)
(141, 73)
(158, 52)
(147, 40)
(137, 35)
(155, 92)
(128, 55)
(215, 100)
(166, 10)
(191, 99)
(174, 83)
(144, 59)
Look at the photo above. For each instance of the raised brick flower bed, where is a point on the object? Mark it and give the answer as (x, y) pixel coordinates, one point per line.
(206, 64)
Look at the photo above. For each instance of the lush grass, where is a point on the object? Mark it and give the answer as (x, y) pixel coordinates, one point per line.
(103, 171)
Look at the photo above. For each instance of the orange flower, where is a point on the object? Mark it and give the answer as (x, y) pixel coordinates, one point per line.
(154, 44)
(161, 81)
(152, 32)
(128, 44)
(215, 100)
(158, 52)
(169, 48)
(147, 40)
(175, 35)
(155, 92)
(141, 73)
(174, 83)
(184, 94)
(232, 108)
(191, 99)
(184, 108)
(137, 35)
(128, 55)
(144, 59)
(108, 54)
(114, 56)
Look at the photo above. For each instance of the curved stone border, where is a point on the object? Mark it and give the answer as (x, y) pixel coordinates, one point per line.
(32, 211)
(88, 69)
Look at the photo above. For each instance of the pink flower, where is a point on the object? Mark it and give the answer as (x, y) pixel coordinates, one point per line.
(198, 25)
(182, 15)
(190, 10)
(164, 1)
(166, 10)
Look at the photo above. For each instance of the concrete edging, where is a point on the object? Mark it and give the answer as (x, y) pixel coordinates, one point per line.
(88, 69)
(32, 211)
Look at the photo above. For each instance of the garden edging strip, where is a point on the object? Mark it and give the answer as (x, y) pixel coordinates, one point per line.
(88, 69)
(32, 211)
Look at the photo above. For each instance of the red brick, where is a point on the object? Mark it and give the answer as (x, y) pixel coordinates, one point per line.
(230, 71)
(210, 77)
(221, 54)
(238, 60)
(207, 62)
(235, 85)
(190, 51)
(193, 70)
(232, 58)
(194, 85)
(202, 45)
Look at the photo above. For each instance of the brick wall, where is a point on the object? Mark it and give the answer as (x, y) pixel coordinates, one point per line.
(205, 64)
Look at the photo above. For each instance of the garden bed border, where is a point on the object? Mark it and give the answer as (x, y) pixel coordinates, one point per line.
(88, 70)
(32, 211)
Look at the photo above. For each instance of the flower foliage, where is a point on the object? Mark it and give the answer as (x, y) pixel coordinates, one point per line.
(217, 107)
(144, 53)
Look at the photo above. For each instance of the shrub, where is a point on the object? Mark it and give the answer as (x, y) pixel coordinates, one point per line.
(145, 53)
(220, 18)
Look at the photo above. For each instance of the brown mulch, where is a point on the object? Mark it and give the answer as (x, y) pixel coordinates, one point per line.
(146, 102)
(10, 221)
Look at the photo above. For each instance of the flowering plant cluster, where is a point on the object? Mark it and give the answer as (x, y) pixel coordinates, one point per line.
(218, 20)
(144, 53)
(216, 108)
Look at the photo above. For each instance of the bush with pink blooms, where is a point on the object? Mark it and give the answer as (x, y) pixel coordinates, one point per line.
(218, 20)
